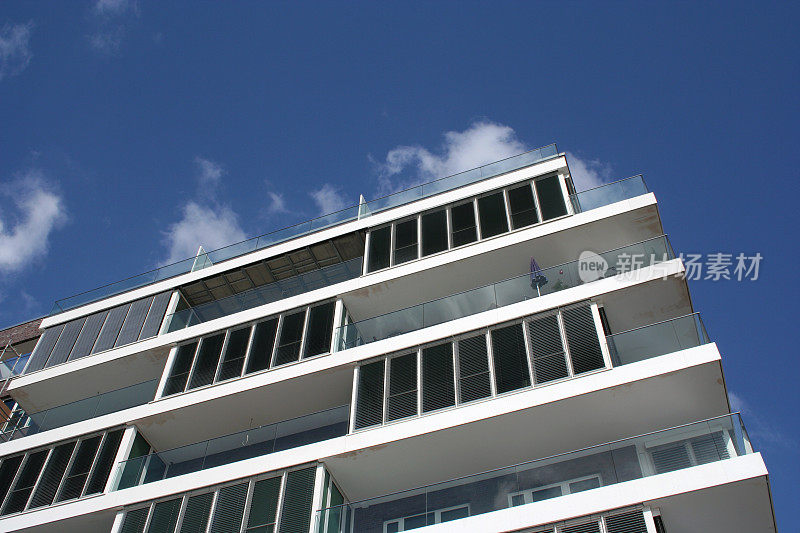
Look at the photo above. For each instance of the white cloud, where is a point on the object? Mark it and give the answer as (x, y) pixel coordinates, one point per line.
(328, 199)
(210, 226)
(277, 204)
(25, 232)
(588, 173)
(483, 142)
(760, 428)
(112, 20)
(15, 50)
(111, 7)
(205, 221)
(107, 41)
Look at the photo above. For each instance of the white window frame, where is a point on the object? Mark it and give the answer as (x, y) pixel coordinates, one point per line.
(437, 516)
(563, 485)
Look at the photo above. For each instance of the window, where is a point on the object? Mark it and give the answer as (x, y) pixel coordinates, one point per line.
(584, 345)
(492, 215)
(473, 369)
(522, 206)
(405, 241)
(369, 402)
(379, 248)
(555, 490)
(402, 400)
(269, 343)
(510, 359)
(41, 477)
(465, 230)
(426, 519)
(690, 452)
(438, 389)
(434, 232)
(547, 350)
(551, 197)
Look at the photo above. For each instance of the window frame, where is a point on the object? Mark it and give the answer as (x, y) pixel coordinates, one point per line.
(564, 485)
(437, 517)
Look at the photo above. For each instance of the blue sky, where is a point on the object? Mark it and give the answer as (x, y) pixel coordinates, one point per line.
(129, 131)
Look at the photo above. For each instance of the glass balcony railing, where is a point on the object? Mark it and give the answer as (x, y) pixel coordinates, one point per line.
(239, 446)
(609, 193)
(85, 409)
(622, 261)
(698, 443)
(657, 339)
(272, 292)
(310, 226)
(13, 366)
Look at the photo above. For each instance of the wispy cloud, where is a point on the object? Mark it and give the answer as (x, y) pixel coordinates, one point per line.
(15, 48)
(112, 20)
(205, 220)
(276, 204)
(25, 231)
(482, 142)
(588, 173)
(328, 199)
(759, 428)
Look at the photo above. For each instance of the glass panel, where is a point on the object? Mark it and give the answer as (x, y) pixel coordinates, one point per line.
(522, 206)
(402, 400)
(551, 197)
(379, 248)
(8, 470)
(434, 232)
(291, 336)
(263, 343)
(165, 516)
(264, 504)
(369, 400)
(18, 498)
(52, 475)
(492, 213)
(207, 360)
(79, 471)
(584, 346)
(463, 221)
(229, 510)
(405, 241)
(195, 517)
(320, 329)
(104, 463)
(510, 359)
(438, 389)
(179, 373)
(297, 499)
(235, 351)
(547, 350)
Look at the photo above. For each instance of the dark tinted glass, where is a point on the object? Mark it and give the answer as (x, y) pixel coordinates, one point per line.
(379, 248)
(463, 222)
(369, 400)
(473, 369)
(551, 198)
(179, 374)
(402, 401)
(79, 470)
(522, 206)
(405, 241)
(510, 360)
(207, 360)
(434, 232)
(291, 336)
(263, 342)
(492, 213)
(52, 475)
(584, 346)
(438, 389)
(320, 329)
(549, 361)
(235, 351)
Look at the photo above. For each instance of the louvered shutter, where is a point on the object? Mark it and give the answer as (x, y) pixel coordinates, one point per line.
(235, 352)
(369, 397)
(134, 321)
(21, 490)
(8, 470)
(87, 338)
(264, 505)
(438, 389)
(165, 516)
(43, 348)
(586, 527)
(179, 373)
(195, 517)
(104, 463)
(79, 470)
(135, 520)
(65, 342)
(155, 315)
(110, 332)
(709, 448)
(630, 522)
(263, 342)
(207, 360)
(549, 359)
(320, 329)
(473, 369)
(229, 509)
(510, 359)
(670, 457)
(291, 336)
(52, 475)
(402, 400)
(584, 345)
(297, 499)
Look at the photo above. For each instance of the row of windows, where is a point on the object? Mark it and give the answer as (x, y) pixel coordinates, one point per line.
(540, 349)
(482, 217)
(62, 472)
(101, 331)
(249, 505)
(228, 354)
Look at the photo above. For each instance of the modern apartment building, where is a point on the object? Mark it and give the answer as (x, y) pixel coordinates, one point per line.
(446, 358)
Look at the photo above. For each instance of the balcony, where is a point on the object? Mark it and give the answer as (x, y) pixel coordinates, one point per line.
(651, 454)
(325, 221)
(538, 282)
(239, 446)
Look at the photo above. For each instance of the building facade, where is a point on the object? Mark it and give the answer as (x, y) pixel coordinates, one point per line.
(491, 351)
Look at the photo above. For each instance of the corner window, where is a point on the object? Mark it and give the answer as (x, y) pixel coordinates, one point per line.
(551, 197)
